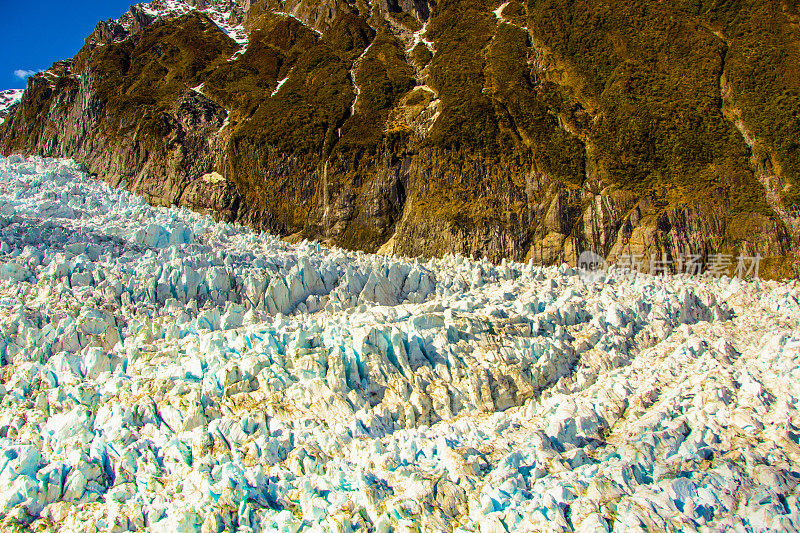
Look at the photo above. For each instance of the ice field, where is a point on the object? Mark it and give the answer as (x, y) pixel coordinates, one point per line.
(163, 372)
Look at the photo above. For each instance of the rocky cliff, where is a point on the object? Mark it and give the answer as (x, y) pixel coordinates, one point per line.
(532, 131)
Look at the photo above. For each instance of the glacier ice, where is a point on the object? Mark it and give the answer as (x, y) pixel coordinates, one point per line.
(165, 372)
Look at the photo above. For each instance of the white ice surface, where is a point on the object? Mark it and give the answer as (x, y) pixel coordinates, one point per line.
(164, 372)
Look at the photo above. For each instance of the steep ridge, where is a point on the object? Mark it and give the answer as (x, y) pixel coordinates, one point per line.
(529, 131)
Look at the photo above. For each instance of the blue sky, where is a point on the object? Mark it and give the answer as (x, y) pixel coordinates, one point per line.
(35, 33)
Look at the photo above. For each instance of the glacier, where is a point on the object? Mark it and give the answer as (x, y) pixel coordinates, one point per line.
(165, 372)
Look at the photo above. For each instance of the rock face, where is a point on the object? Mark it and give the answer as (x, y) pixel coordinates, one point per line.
(530, 132)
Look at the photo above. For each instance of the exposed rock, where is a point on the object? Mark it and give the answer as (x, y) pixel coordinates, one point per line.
(268, 133)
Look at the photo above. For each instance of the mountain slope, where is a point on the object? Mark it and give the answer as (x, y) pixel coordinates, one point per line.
(528, 130)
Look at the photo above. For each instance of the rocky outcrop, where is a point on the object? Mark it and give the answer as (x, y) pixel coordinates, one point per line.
(402, 127)
(173, 168)
(177, 172)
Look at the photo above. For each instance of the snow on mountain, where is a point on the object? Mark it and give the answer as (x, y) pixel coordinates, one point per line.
(224, 13)
(8, 98)
(169, 373)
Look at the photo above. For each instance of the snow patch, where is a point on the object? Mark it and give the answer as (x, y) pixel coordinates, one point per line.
(499, 11)
(418, 38)
(9, 98)
(280, 84)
